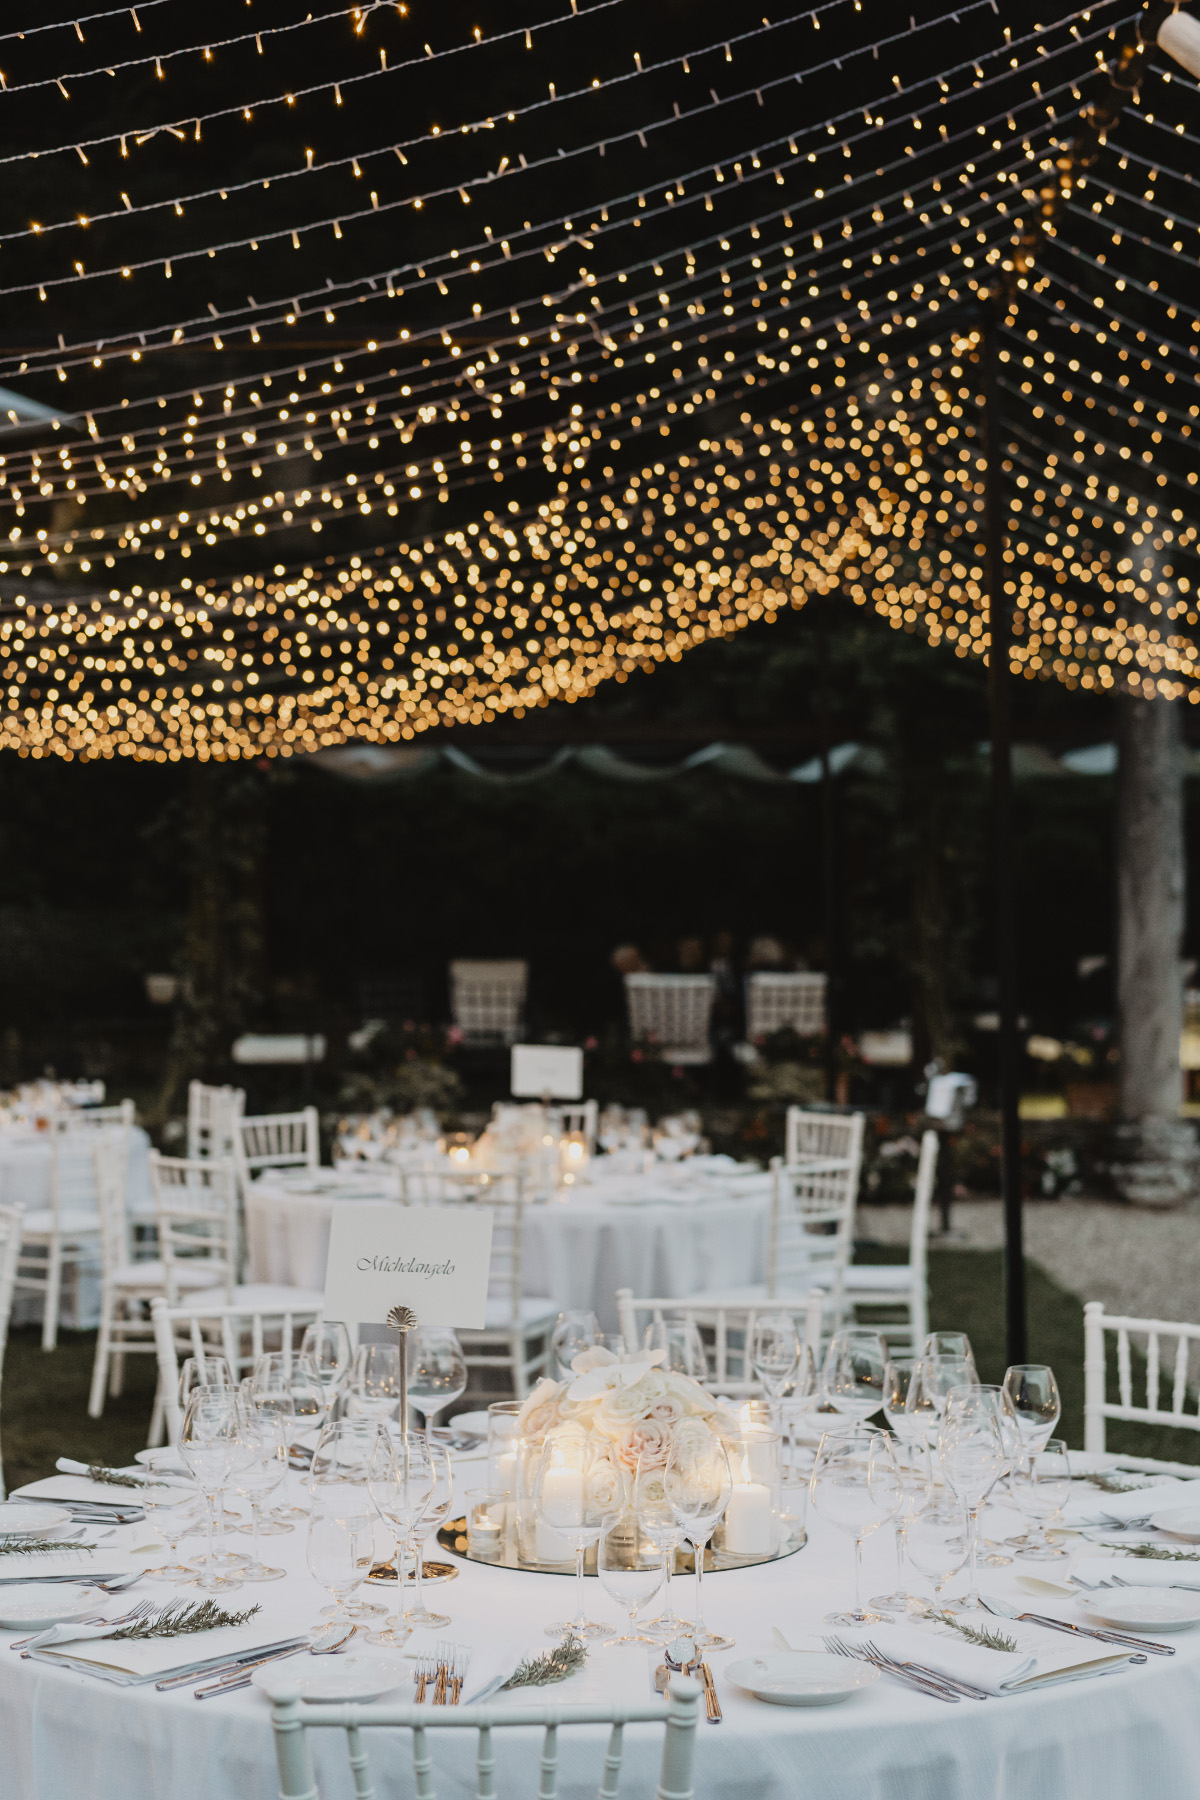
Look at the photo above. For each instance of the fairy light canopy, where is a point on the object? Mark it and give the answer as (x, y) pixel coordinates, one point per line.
(393, 370)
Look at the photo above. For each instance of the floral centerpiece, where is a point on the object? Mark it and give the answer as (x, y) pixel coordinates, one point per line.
(631, 1401)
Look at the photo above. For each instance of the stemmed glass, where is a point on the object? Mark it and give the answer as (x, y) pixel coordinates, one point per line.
(657, 1520)
(683, 1346)
(630, 1573)
(375, 1382)
(327, 1344)
(171, 1500)
(290, 1386)
(206, 1370)
(1010, 1438)
(431, 1518)
(971, 1452)
(936, 1541)
(341, 1466)
(698, 1483)
(775, 1356)
(950, 1343)
(208, 1444)
(1040, 1484)
(258, 1477)
(855, 1484)
(574, 1330)
(578, 1492)
(914, 1478)
(340, 1548)
(852, 1378)
(1033, 1394)
(437, 1372)
(897, 1380)
(400, 1481)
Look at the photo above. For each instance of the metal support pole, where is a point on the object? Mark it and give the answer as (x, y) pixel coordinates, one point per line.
(1003, 875)
(830, 885)
(402, 1320)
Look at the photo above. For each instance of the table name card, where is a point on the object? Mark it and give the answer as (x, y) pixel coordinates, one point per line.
(546, 1071)
(434, 1259)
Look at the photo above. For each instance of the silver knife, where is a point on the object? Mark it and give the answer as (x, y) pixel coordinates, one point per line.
(201, 1671)
(226, 1685)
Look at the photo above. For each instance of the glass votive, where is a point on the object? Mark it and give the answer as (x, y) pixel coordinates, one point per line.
(487, 1519)
(751, 1527)
(502, 1435)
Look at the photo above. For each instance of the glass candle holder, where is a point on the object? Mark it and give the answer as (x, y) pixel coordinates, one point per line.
(502, 1458)
(487, 1524)
(752, 1527)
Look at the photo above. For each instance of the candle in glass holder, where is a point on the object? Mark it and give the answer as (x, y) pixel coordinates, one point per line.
(562, 1501)
(749, 1517)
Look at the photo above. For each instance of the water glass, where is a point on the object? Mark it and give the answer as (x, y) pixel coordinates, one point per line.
(208, 1444)
(431, 1518)
(660, 1527)
(579, 1492)
(971, 1453)
(855, 1485)
(631, 1573)
(172, 1501)
(681, 1344)
(327, 1344)
(437, 1372)
(936, 1541)
(400, 1480)
(698, 1483)
(257, 1478)
(775, 1357)
(340, 1550)
(374, 1388)
(914, 1475)
(1041, 1482)
(852, 1378)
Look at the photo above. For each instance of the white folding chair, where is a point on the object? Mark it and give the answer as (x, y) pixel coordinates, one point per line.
(726, 1330)
(66, 1233)
(1176, 1368)
(199, 1240)
(10, 1249)
(294, 1719)
(213, 1114)
(810, 1133)
(487, 1000)
(240, 1333)
(901, 1285)
(275, 1141)
(775, 1001)
(674, 1013)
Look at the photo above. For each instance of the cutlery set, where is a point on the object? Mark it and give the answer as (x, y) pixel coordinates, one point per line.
(446, 1670)
(681, 1659)
(915, 1675)
(1119, 1639)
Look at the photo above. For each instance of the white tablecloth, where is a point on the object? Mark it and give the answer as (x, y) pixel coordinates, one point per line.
(1130, 1735)
(674, 1232)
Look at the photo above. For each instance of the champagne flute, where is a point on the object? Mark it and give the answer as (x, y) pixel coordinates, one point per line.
(400, 1481)
(631, 1573)
(775, 1356)
(971, 1453)
(656, 1517)
(431, 1517)
(208, 1446)
(681, 1344)
(575, 1329)
(578, 1493)
(437, 1372)
(855, 1485)
(1041, 1483)
(698, 1484)
(852, 1378)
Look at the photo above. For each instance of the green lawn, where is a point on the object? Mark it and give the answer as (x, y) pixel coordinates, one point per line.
(45, 1394)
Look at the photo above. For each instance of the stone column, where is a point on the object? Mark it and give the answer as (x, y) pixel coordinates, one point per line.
(1156, 1162)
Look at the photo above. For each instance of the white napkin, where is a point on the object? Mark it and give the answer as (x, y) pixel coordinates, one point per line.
(1094, 1507)
(113, 1553)
(1035, 1663)
(72, 1487)
(131, 1661)
(1138, 1570)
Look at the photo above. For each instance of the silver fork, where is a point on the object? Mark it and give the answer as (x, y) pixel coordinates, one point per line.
(966, 1688)
(138, 1612)
(423, 1674)
(458, 1672)
(922, 1683)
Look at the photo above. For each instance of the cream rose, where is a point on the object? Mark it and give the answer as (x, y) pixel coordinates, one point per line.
(649, 1441)
(540, 1411)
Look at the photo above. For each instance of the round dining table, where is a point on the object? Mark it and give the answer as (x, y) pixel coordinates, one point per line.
(1132, 1733)
(669, 1230)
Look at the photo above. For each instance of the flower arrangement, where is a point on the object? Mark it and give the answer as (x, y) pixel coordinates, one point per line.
(638, 1406)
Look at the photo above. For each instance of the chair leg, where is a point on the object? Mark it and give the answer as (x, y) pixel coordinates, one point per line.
(158, 1419)
(516, 1353)
(100, 1361)
(53, 1295)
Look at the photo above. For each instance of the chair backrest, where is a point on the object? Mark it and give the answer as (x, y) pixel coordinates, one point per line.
(727, 1331)
(774, 1001)
(487, 999)
(111, 1165)
(11, 1220)
(579, 1116)
(205, 1327)
(195, 1207)
(1175, 1368)
(918, 1241)
(276, 1141)
(810, 1226)
(94, 1118)
(293, 1720)
(504, 1195)
(811, 1133)
(213, 1113)
(72, 1166)
(673, 1010)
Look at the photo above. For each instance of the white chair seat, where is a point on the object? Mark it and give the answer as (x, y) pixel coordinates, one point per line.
(870, 1278)
(535, 1310)
(39, 1223)
(151, 1276)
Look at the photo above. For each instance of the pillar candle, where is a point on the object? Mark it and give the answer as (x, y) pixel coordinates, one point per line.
(749, 1527)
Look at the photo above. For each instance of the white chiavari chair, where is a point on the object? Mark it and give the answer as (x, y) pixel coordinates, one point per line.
(61, 1236)
(901, 1286)
(813, 1133)
(487, 1000)
(1169, 1350)
(674, 1012)
(196, 1210)
(293, 1720)
(275, 1141)
(10, 1248)
(213, 1114)
(726, 1330)
(776, 1001)
(240, 1333)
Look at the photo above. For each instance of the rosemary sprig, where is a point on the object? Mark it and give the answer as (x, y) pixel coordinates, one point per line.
(26, 1546)
(1115, 1484)
(555, 1665)
(1156, 1552)
(987, 1640)
(114, 1478)
(178, 1619)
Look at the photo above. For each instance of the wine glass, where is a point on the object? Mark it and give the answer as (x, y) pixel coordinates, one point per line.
(1036, 1405)
(950, 1343)
(258, 1477)
(936, 1541)
(698, 1483)
(942, 1374)
(327, 1343)
(658, 1523)
(914, 1477)
(852, 1378)
(340, 1476)
(682, 1345)
(431, 1518)
(775, 1356)
(205, 1370)
(898, 1374)
(172, 1500)
(631, 1573)
(375, 1382)
(578, 1493)
(971, 1452)
(921, 1406)
(289, 1385)
(437, 1372)
(400, 1481)
(1041, 1482)
(574, 1330)
(1010, 1438)
(209, 1448)
(340, 1548)
(855, 1484)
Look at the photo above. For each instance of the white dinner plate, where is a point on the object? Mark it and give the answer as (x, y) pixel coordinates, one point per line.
(1145, 1609)
(800, 1677)
(1183, 1523)
(356, 1676)
(30, 1608)
(469, 1424)
(19, 1519)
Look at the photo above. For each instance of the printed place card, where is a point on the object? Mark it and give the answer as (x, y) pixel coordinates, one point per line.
(434, 1259)
(538, 1070)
